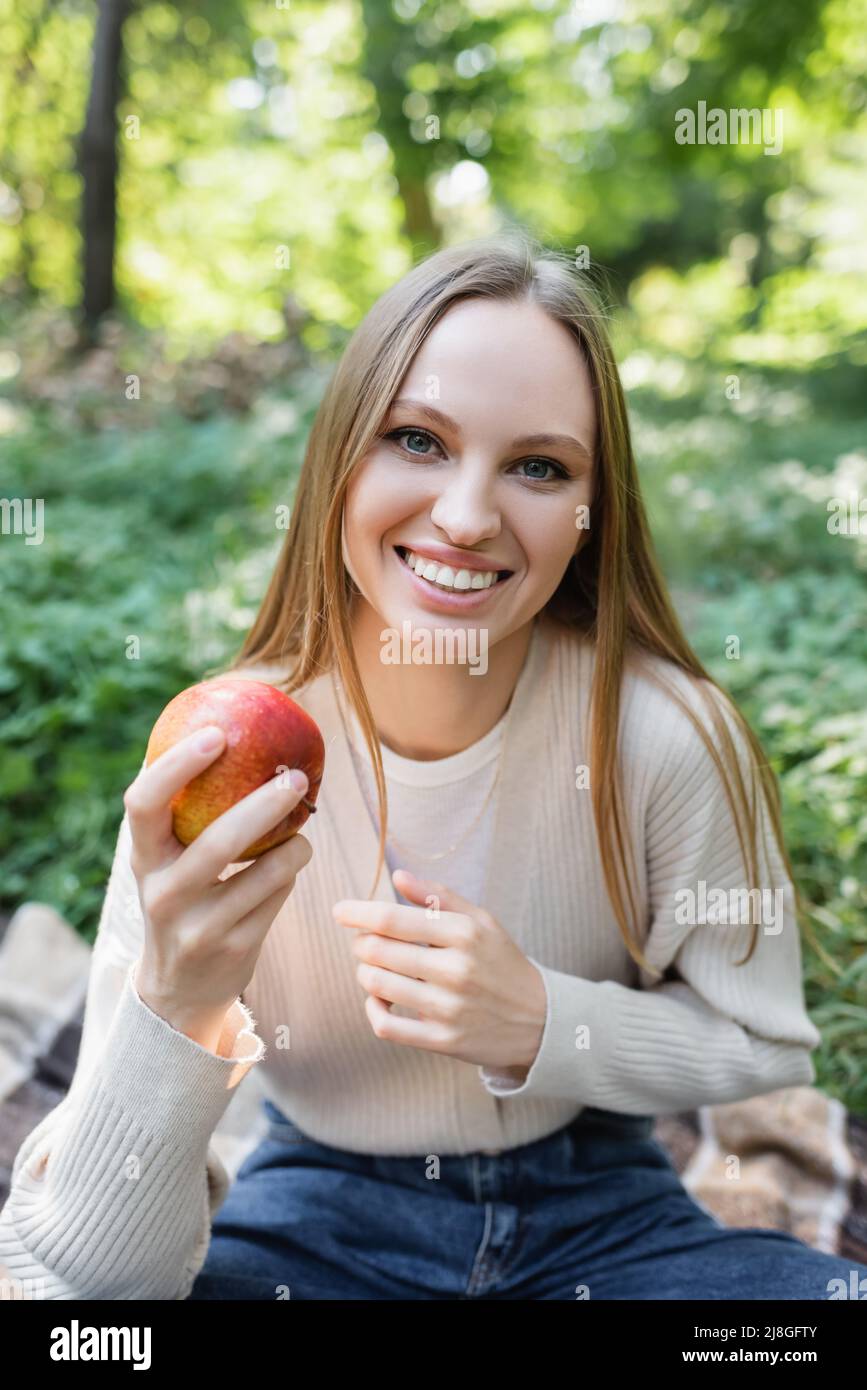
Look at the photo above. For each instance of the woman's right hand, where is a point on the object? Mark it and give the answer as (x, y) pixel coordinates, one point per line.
(203, 936)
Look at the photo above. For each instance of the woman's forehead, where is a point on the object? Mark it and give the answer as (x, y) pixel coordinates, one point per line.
(495, 364)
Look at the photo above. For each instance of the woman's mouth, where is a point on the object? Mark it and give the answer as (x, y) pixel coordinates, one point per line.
(450, 579)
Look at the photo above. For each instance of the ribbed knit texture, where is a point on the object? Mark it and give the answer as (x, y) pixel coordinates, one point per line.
(113, 1193)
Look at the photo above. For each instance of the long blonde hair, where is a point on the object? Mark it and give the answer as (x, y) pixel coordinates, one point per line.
(612, 591)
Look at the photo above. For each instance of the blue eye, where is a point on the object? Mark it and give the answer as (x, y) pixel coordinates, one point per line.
(418, 434)
(544, 463)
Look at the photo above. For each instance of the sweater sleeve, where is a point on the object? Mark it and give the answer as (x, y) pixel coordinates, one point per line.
(710, 1031)
(112, 1194)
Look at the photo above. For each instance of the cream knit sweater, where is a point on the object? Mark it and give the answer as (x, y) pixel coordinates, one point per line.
(113, 1192)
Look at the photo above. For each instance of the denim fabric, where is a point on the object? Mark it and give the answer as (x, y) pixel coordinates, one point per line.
(595, 1210)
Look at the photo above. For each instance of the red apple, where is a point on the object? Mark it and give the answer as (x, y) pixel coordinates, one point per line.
(266, 732)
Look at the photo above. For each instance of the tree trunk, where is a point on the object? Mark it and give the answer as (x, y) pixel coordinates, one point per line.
(388, 42)
(98, 165)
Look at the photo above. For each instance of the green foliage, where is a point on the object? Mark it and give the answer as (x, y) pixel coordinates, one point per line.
(163, 536)
(280, 166)
(776, 607)
(800, 681)
(315, 150)
(168, 535)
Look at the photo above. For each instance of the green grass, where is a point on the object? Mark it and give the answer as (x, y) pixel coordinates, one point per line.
(168, 535)
(739, 508)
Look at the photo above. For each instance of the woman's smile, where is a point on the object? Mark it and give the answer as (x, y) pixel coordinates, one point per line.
(453, 587)
(460, 514)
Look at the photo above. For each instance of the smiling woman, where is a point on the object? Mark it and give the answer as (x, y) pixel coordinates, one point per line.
(487, 518)
(522, 1017)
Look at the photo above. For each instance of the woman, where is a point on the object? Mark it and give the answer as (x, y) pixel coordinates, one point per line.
(464, 1058)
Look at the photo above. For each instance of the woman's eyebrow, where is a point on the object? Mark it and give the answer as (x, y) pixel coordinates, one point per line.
(544, 440)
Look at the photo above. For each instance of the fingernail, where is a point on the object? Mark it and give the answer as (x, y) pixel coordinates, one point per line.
(298, 780)
(209, 739)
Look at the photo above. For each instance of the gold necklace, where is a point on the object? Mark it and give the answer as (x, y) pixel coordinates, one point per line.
(391, 839)
(431, 858)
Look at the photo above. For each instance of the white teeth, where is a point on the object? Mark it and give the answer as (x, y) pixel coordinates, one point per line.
(448, 578)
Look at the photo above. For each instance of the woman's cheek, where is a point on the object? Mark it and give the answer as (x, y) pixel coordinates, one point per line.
(551, 545)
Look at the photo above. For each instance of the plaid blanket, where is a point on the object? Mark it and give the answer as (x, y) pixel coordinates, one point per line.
(793, 1160)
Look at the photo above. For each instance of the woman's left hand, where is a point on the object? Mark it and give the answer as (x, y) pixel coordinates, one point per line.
(477, 995)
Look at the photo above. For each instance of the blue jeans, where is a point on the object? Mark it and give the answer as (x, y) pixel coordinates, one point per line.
(595, 1210)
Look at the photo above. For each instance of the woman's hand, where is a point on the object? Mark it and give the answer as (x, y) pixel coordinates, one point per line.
(203, 935)
(477, 995)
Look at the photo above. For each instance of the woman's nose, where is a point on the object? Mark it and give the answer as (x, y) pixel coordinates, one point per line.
(466, 511)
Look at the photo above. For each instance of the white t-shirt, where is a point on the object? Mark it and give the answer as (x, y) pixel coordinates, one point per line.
(436, 804)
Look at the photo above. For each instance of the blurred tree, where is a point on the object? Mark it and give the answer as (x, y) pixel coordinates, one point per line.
(388, 46)
(318, 149)
(98, 162)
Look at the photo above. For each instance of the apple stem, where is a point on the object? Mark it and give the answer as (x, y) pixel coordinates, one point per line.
(308, 804)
